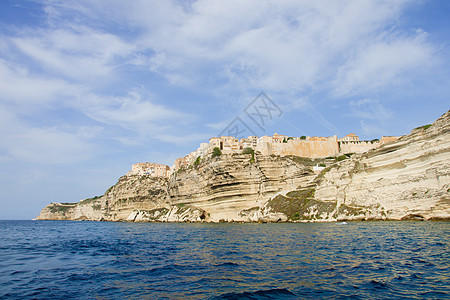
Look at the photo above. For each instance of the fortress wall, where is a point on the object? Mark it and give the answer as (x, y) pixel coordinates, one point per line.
(264, 147)
(308, 148)
(388, 139)
(357, 147)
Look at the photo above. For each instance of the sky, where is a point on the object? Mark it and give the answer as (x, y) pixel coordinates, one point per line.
(89, 87)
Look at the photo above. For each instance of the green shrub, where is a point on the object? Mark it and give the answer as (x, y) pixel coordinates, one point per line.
(303, 137)
(306, 161)
(216, 152)
(88, 200)
(340, 158)
(250, 151)
(197, 161)
(62, 208)
(322, 165)
(297, 205)
(424, 127)
(181, 169)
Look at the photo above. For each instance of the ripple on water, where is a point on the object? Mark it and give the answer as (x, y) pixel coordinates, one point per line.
(48, 260)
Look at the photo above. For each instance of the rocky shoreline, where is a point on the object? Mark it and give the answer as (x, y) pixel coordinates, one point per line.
(407, 179)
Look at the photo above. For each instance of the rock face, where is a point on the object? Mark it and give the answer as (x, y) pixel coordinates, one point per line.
(404, 180)
(221, 188)
(407, 179)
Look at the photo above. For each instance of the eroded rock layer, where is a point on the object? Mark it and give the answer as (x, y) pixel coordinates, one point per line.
(406, 179)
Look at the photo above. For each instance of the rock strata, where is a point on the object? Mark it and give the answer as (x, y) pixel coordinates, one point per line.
(407, 179)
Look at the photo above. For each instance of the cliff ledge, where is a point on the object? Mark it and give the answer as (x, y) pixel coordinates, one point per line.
(407, 179)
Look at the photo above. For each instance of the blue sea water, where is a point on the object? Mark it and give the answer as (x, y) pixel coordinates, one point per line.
(102, 260)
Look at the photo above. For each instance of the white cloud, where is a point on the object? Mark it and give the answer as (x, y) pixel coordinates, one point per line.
(292, 49)
(129, 111)
(46, 145)
(384, 64)
(372, 129)
(277, 45)
(185, 138)
(370, 109)
(19, 86)
(320, 119)
(76, 52)
(247, 45)
(138, 113)
(219, 126)
(373, 116)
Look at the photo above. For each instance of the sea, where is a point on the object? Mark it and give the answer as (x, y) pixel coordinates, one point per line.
(109, 260)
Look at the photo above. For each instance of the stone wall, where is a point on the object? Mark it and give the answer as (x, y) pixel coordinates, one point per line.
(406, 179)
(313, 148)
(388, 139)
(357, 147)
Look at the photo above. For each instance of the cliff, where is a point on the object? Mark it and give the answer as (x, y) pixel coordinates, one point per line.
(406, 179)
(216, 189)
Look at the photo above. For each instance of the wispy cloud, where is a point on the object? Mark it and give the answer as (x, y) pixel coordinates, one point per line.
(82, 79)
(130, 110)
(284, 47)
(20, 86)
(138, 113)
(370, 109)
(384, 64)
(86, 57)
(45, 145)
(373, 116)
(281, 46)
(75, 52)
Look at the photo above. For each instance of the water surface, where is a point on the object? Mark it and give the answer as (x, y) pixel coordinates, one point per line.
(105, 260)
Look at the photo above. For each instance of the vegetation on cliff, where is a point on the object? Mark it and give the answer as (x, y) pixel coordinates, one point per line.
(216, 152)
(409, 177)
(301, 204)
(251, 152)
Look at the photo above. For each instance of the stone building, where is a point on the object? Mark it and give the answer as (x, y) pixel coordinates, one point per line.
(203, 150)
(215, 142)
(179, 162)
(229, 144)
(312, 147)
(278, 138)
(249, 142)
(351, 137)
(265, 139)
(225, 143)
(152, 169)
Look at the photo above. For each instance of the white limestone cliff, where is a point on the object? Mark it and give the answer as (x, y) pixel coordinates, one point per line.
(405, 179)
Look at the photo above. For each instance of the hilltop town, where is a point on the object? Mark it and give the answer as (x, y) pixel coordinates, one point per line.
(281, 145)
(278, 179)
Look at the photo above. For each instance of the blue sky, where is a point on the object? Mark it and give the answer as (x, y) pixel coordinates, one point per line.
(88, 88)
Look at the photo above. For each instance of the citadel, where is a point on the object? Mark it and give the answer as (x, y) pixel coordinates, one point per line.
(281, 145)
(284, 179)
